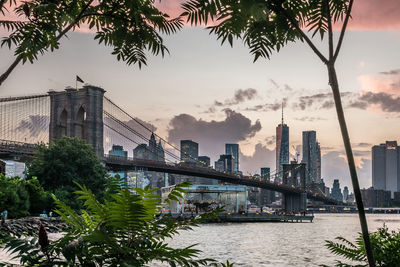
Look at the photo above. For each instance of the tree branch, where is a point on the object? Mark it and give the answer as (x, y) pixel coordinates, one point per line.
(330, 33)
(305, 37)
(5, 75)
(1, 5)
(346, 20)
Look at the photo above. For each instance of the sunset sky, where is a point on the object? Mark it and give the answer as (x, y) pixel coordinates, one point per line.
(215, 94)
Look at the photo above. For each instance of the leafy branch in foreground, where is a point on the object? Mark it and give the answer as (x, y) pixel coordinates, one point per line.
(385, 246)
(125, 230)
(130, 27)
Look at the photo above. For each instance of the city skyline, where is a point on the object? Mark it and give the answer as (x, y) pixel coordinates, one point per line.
(218, 88)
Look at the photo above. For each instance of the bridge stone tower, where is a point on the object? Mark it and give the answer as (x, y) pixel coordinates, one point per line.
(294, 174)
(78, 113)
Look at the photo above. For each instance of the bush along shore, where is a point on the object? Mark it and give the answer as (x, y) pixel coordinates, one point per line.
(30, 226)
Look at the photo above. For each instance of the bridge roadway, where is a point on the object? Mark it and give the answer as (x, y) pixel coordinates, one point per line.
(116, 163)
(18, 150)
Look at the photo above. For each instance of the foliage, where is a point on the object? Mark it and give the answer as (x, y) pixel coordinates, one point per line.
(265, 26)
(130, 27)
(125, 230)
(385, 247)
(64, 161)
(13, 196)
(22, 197)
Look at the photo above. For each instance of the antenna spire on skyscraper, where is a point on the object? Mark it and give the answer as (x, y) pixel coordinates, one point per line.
(282, 112)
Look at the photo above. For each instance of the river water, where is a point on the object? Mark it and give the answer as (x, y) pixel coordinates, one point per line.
(276, 244)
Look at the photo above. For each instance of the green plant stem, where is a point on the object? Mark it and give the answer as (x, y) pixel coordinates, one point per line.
(333, 82)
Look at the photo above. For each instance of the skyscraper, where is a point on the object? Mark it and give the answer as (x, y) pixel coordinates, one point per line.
(282, 147)
(233, 149)
(386, 167)
(265, 173)
(336, 191)
(312, 157)
(189, 151)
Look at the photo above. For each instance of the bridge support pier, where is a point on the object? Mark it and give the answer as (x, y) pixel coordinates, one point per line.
(293, 203)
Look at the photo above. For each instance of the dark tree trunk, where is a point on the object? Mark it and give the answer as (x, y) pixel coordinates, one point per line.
(333, 82)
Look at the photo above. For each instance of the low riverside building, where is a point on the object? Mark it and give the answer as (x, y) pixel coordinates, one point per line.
(202, 198)
(375, 197)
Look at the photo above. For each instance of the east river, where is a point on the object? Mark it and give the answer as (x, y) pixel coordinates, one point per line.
(276, 244)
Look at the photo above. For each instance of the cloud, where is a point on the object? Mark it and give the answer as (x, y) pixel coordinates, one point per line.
(268, 107)
(270, 140)
(383, 82)
(385, 102)
(318, 101)
(334, 166)
(375, 15)
(239, 97)
(262, 157)
(212, 135)
(307, 118)
(363, 145)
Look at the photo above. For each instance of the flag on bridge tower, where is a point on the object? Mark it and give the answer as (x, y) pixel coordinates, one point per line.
(78, 79)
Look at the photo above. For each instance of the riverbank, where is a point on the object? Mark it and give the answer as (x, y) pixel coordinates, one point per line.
(30, 225)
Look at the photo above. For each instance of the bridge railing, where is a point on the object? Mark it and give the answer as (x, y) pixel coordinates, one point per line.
(17, 147)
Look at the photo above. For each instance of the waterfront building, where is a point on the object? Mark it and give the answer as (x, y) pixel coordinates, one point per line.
(118, 151)
(312, 157)
(336, 191)
(375, 197)
(189, 151)
(204, 161)
(12, 168)
(282, 147)
(345, 193)
(386, 167)
(233, 149)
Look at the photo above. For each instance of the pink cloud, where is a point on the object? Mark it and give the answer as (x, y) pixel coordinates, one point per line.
(383, 82)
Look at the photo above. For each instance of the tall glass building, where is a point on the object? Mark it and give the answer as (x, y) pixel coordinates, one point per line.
(189, 151)
(312, 157)
(386, 167)
(282, 148)
(233, 149)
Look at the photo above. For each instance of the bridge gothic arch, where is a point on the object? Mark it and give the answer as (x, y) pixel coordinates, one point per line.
(80, 119)
(62, 126)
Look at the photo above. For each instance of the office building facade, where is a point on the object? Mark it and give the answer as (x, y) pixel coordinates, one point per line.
(233, 149)
(189, 151)
(282, 148)
(312, 157)
(386, 167)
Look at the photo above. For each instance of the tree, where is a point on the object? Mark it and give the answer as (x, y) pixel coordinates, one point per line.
(64, 162)
(131, 27)
(13, 197)
(268, 25)
(385, 246)
(123, 231)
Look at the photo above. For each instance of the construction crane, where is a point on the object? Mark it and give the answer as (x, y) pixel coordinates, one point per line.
(297, 154)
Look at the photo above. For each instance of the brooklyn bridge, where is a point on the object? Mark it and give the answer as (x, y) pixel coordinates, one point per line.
(88, 114)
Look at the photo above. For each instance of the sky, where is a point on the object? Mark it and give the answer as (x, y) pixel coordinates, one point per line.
(215, 94)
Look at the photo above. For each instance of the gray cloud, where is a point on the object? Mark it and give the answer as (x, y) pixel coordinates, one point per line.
(268, 107)
(363, 145)
(391, 72)
(334, 166)
(307, 118)
(212, 135)
(262, 157)
(241, 96)
(319, 101)
(386, 102)
(270, 140)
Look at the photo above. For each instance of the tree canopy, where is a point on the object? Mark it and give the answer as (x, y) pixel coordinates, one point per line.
(130, 27)
(64, 162)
